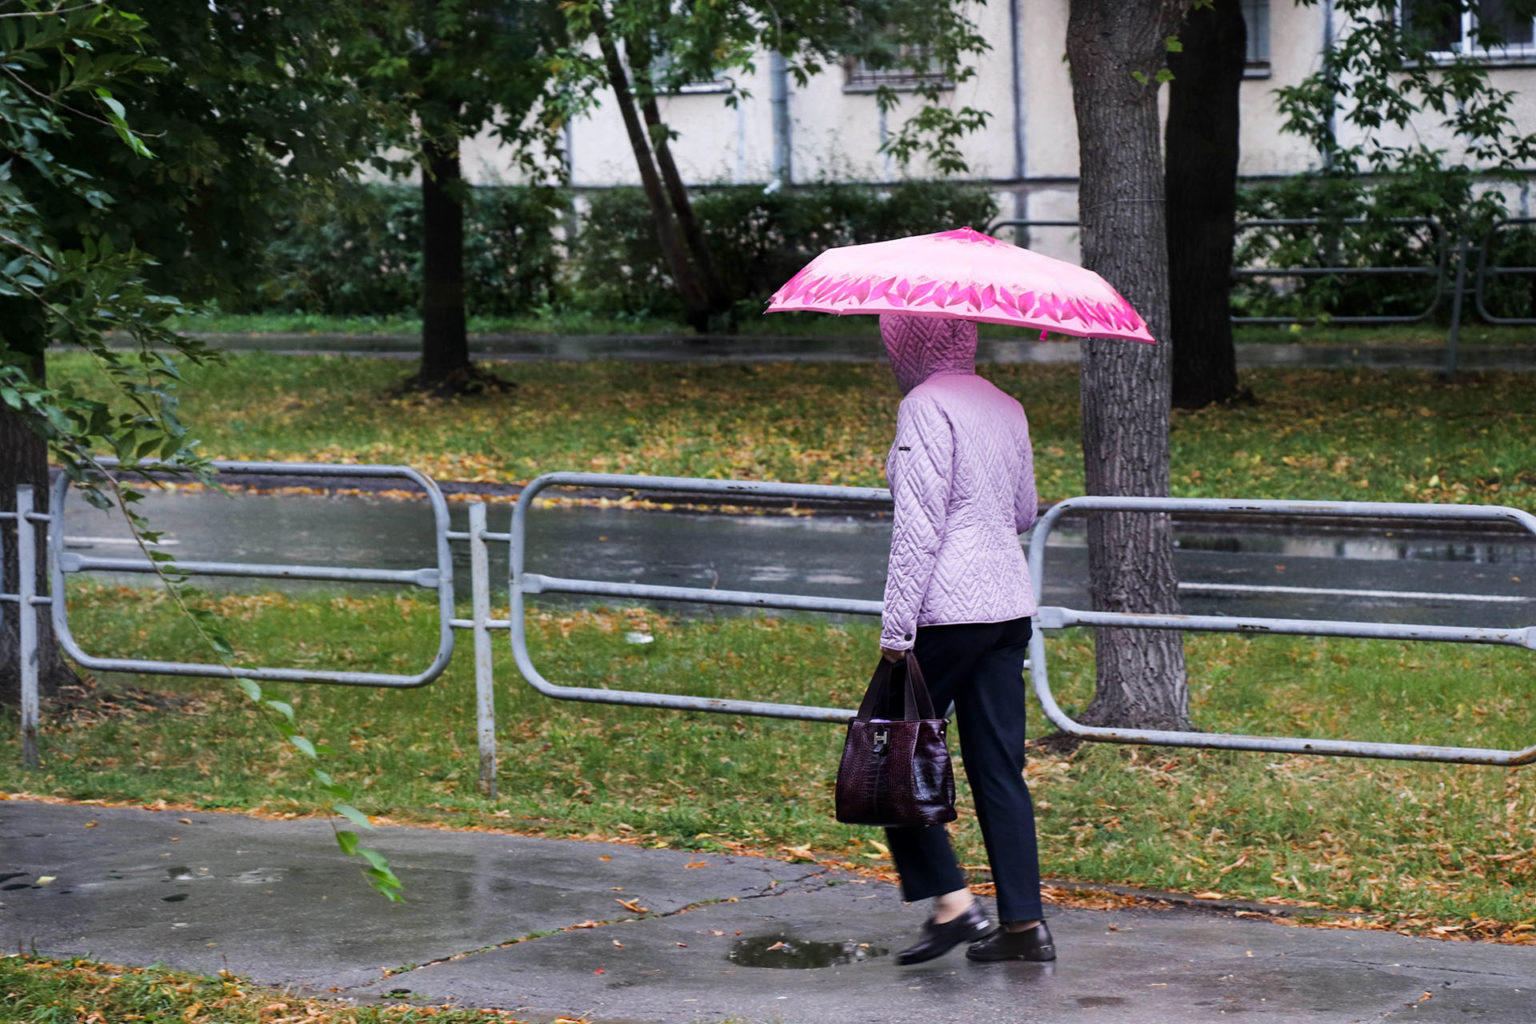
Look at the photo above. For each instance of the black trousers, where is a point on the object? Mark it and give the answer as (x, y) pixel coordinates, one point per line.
(979, 666)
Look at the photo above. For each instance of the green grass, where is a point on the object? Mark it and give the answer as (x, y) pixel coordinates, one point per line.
(39, 990)
(1315, 433)
(1430, 334)
(1414, 845)
(799, 324)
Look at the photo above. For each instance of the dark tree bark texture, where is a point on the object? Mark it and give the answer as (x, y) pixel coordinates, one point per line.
(1125, 385)
(671, 216)
(1202, 148)
(444, 340)
(24, 460)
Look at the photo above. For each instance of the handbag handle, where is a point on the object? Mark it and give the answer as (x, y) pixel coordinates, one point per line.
(916, 703)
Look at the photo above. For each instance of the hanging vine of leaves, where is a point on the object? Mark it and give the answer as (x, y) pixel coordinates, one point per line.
(64, 282)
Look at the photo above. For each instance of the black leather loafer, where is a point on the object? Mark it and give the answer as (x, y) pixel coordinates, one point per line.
(938, 939)
(1035, 944)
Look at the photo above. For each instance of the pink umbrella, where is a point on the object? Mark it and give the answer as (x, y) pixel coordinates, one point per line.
(962, 274)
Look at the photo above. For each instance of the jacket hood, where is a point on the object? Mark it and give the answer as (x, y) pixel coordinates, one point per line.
(921, 346)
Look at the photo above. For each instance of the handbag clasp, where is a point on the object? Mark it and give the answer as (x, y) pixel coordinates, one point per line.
(882, 739)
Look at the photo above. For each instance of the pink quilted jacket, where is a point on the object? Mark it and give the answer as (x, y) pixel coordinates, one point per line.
(963, 478)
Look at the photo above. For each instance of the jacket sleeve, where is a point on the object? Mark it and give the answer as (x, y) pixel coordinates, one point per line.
(919, 471)
(1026, 502)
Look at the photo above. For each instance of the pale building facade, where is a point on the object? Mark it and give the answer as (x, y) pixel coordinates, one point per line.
(831, 128)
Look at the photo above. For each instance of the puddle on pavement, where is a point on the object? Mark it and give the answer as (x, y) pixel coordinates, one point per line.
(178, 873)
(783, 951)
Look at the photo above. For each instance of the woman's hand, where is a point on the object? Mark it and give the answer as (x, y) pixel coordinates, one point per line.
(891, 655)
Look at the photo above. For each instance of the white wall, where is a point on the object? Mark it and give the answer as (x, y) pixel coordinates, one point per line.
(836, 133)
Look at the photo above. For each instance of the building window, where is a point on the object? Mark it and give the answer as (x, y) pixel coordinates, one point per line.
(916, 69)
(1489, 29)
(1256, 23)
(662, 64)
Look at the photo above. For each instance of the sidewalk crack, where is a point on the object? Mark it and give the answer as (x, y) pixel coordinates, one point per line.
(775, 887)
(1434, 968)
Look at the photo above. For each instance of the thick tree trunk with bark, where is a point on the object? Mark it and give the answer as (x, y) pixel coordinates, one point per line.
(1125, 385)
(444, 339)
(691, 284)
(1202, 138)
(24, 460)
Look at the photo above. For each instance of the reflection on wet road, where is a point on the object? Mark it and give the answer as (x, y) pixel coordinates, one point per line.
(1376, 572)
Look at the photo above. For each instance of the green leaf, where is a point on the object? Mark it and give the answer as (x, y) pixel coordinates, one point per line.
(251, 688)
(347, 840)
(305, 747)
(1173, 44)
(375, 858)
(353, 815)
(386, 883)
(282, 707)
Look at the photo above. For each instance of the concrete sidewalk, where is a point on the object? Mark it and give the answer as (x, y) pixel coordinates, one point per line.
(551, 928)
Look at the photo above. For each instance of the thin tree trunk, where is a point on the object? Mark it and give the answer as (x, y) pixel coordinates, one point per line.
(677, 192)
(24, 460)
(694, 294)
(1201, 186)
(1125, 386)
(444, 339)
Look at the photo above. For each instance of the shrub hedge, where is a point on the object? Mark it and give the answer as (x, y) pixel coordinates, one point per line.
(1361, 225)
(757, 239)
(360, 253)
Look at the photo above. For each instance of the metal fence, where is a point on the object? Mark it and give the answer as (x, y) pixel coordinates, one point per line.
(438, 577)
(1455, 259)
(1490, 272)
(1437, 270)
(521, 583)
(1054, 618)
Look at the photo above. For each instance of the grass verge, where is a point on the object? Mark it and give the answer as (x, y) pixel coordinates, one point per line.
(1435, 848)
(1320, 434)
(40, 990)
(799, 325)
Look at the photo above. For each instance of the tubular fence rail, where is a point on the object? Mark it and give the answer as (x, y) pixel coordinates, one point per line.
(1454, 259)
(25, 522)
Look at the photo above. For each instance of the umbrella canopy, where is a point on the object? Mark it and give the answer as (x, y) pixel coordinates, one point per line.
(962, 274)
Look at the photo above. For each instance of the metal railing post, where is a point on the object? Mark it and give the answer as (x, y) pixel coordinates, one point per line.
(26, 610)
(485, 692)
(1452, 338)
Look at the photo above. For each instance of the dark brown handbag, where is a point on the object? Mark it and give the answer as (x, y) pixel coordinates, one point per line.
(895, 771)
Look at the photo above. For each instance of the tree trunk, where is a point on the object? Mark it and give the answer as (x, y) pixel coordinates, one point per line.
(695, 295)
(444, 339)
(1202, 201)
(676, 191)
(1125, 386)
(24, 460)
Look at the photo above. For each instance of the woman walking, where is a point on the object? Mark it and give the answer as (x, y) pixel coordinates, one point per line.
(958, 595)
